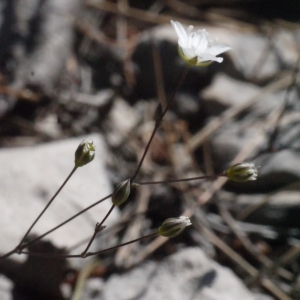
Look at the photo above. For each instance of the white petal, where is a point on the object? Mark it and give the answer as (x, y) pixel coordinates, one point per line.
(208, 57)
(202, 44)
(188, 52)
(218, 49)
(185, 220)
(198, 44)
(182, 35)
(189, 29)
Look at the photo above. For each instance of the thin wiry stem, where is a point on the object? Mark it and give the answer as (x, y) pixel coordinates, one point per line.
(8, 254)
(158, 121)
(21, 245)
(113, 228)
(98, 227)
(58, 255)
(68, 220)
(55, 228)
(124, 244)
(180, 180)
(46, 207)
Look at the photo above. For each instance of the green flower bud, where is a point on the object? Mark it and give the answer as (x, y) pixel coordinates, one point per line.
(174, 226)
(242, 172)
(85, 153)
(121, 193)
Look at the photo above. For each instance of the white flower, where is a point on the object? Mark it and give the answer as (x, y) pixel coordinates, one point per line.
(196, 47)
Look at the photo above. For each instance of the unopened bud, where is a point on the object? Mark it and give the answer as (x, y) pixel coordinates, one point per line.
(85, 153)
(121, 193)
(242, 172)
(174, 226)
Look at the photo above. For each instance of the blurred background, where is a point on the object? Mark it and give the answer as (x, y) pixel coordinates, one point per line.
(73, 70)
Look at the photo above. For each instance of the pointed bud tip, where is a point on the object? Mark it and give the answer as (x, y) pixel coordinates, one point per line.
(242, 172)
(121, 193)
(85, 153)
(172, 227)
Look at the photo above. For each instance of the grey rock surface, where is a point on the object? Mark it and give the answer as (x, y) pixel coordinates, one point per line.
(225, 92)
(5, 287)
(279, 209)
(29, 177)
(188, 274)
(229, 139)
(279, 169)
(54, 39)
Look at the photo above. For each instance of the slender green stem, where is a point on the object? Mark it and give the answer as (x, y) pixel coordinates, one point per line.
(208, 177)
(97, 227)
(46, 207)
(159, 121)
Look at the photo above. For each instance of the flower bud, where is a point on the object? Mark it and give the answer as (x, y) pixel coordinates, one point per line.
(85, 153)
(121, 193)
(174, 226)
(242, 172)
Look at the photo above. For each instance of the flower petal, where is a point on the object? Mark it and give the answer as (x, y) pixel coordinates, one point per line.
(208, 57)
(196, 47)
(218, 49)
(182, 35)
(188, 53)
(201, 44)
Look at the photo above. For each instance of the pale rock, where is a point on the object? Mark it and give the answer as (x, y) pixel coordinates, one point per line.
(226, 92)
(29, 177)
(188, 274)
(121, 121)
(5, 287)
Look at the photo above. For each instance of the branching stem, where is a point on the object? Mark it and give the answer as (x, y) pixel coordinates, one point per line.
(46, 207)
(97, 229)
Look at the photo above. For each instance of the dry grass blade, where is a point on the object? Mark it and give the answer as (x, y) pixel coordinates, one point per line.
(197, 140)
(242, 236)
(139, 14)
